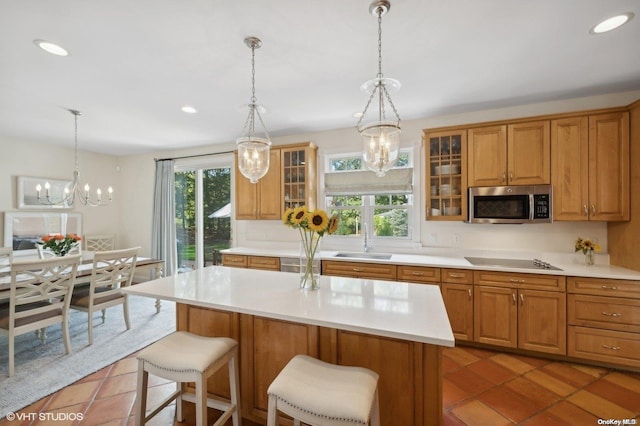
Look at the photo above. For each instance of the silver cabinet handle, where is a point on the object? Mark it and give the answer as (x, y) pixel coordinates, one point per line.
(522, 299)
(469, 293)
(419, 274)
(611, 314)
(606, 287)
(513, 296)
(511, 176)
(455, 275)
(593, 210)
(613, 348)
(515, 280)
(504, 176)
(586, 209)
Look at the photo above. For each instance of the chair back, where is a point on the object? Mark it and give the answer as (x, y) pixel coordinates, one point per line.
(41, 289)
(99, 242)
(6, 259)
(112, 270)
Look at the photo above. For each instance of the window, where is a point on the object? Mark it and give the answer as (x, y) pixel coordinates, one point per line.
(385, 204)
(203, 211)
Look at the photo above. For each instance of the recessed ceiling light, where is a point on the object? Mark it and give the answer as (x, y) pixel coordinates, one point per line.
(189, 109)
(612, 23)
(357, 114)
(52, 48)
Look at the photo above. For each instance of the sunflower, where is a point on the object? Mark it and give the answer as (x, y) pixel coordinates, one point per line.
(333, 224)
(298, 216)
(318, 221)
(286, 216)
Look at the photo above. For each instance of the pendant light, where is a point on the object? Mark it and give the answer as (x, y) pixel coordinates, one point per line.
(381, 138)
(75, 192)
(253, 151)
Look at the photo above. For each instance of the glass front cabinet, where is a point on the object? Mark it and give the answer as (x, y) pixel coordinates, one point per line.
(446, 174)
(299, 171)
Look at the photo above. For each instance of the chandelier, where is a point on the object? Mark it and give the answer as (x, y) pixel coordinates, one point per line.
(381, 138)
(253, 151)
(75, 191)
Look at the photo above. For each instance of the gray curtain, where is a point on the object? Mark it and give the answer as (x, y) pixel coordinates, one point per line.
(163, 234)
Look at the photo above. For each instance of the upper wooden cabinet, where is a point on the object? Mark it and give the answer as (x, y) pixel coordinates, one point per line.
(590, 157)
(446, 189)
(290, 182)
(513, 154)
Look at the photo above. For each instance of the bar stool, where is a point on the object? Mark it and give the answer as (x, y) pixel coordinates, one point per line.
(319, 393)
(186, 357)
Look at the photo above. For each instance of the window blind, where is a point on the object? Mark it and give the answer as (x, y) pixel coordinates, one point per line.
(395, 181)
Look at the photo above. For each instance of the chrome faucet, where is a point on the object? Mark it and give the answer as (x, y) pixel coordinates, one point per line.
(365, 232)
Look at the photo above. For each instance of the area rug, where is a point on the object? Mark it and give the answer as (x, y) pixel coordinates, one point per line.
(42, 369)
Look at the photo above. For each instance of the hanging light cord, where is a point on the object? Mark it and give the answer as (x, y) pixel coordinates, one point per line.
(249, 124)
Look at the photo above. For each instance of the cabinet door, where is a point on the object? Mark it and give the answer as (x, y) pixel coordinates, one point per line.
(528, 153)
(542, 321)
(495, 315)
(246, 203)
(458, 299)
(487, 156)
(570, 168)
(299, 176)
(269, 204)
(609, 167)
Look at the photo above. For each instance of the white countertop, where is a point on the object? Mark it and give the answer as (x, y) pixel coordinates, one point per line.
(448, 261)
(404, 311)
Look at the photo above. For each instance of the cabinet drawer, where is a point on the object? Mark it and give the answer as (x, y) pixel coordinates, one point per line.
(359, 270)
(457, 276)
(615, 347)
(611, 313)
(418, 274)
(263, 262)
(528, 281)
(237, 260)
(604, 287)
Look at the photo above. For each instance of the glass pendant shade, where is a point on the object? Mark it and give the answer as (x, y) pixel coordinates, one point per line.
(380, 146)
(253, 157)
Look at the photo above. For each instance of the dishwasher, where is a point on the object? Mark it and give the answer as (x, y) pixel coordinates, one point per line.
(290, 264)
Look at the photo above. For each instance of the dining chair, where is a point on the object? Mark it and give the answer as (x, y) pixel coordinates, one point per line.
(112, 271)
(40, 295)
(99, 242)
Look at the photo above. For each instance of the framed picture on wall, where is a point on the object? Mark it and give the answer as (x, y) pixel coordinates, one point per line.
(50, 197)
(22, 229)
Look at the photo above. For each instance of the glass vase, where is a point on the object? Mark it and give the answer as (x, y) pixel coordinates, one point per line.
(589, 257)
(310, 265)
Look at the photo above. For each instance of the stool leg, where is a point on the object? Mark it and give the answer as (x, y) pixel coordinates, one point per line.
(179, 416)
(272, 411)
(375, 411)
(141, 394)
(234, 386)
(201, 401)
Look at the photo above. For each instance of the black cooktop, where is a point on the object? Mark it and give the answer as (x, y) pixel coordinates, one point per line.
(512, 263)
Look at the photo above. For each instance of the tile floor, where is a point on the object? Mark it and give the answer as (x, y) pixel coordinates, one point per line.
(481, 387)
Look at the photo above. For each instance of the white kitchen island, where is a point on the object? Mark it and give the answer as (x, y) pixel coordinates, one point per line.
(396, 329)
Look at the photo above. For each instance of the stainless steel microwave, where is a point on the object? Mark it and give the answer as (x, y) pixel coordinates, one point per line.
(511, 204)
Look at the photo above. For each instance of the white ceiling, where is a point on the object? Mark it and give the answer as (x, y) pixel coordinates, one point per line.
(134, 64)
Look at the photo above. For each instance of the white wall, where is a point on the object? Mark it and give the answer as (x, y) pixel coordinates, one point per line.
(130, 214)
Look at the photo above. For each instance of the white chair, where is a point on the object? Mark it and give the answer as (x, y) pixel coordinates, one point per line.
(112, 271)
(6, 258)
(40, 295)
(186, 357)
(318, 393)
(99, 242)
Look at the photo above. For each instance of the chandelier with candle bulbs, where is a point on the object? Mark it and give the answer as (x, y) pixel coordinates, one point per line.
(253, 151)
(75, 192)
(381, 138)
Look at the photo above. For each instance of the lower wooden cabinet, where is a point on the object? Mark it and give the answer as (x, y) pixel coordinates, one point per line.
(378, 271)
(495, 316)
(252, 262)
(458, 299)
(234, 260)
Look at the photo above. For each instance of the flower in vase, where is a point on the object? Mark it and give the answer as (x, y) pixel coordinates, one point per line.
(60, 244)
(586, 245)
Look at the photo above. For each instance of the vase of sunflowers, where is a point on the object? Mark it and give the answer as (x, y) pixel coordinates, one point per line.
(587, 247)
(312, 225)
(59, 244)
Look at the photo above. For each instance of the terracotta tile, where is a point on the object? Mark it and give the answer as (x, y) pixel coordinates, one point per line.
(535, 393)
(509, 404)
(74, 394)
(532, 360)
(98, 375)
(449, 419)
(596, 372)
(157, 394)
(475, 413)
(451, 394)
(512, 363)
(124, 366)
(448, 364)
(625, 380)
(468, 381)
(619, 395)
(569, 373)
(481, 353)
(105, 410)
(69, 415)
(493, 372)
(572, 414)
(551, 383)
(118, 384)
(599, 406)
(545, 419)
(460, 355)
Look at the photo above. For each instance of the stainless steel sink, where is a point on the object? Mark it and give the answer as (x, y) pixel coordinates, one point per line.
(378, 256)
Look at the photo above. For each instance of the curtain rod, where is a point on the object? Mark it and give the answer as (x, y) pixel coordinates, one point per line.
(193, 156)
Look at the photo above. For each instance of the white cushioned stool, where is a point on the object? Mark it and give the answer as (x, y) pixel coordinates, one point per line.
(319, 393)
(186, 357)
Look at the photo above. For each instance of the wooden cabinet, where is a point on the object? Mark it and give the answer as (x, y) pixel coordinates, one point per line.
(235, 260)
(290, 182)
(252, 262)
(457, 294)
(518, 311)
(446, 183)
(418, 274)
(590, 157)
(378, 271)
(604, 320)
(513, 154)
